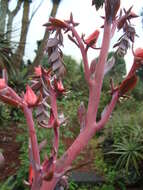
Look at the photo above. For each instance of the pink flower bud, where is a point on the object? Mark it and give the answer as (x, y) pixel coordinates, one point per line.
(2, 83)
(37, 71)
(92, 39)
(30, 97)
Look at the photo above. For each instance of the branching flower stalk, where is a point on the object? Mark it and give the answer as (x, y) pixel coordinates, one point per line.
(46, 87)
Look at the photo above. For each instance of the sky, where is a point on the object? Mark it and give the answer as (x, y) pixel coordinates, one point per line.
(83, 13)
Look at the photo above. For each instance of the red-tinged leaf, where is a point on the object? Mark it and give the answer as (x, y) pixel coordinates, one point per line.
(121, 22)
(132, 15)
(73, 40)
(30, 97)
(36, 85)
(37, 71)
(54, 56)
(123, 19)
(56, 65)
(2, 83)
(61, 71)
(40, 109)
(92, 39)
(10, 101)
(52, 42)
(57, 23)
(51, 119)
(128, 84)
(139, 52)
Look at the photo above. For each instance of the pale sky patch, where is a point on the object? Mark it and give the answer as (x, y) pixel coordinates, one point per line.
(89, 20)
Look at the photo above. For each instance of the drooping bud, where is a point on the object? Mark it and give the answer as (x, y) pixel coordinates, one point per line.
(139, 52)
(2, 83)
(128, 84)
(55, 23)
(30, 97)
(92, 39)
(59, 86)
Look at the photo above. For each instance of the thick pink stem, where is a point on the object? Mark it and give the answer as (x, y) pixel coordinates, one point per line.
(34, 145)
(32, 133)
(94, 96)
(99, 72)
(81, 141)
(53, 100)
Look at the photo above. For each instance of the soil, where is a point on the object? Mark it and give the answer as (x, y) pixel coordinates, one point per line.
(10, 149)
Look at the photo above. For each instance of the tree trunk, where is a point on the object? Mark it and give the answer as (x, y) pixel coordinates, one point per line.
(25, 25)
(11, 15)
(42, 46)
(3, 14)
(9, 27)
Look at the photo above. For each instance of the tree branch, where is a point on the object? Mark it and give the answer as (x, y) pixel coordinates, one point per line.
(99, 71)
(35, 11)
(15, 11)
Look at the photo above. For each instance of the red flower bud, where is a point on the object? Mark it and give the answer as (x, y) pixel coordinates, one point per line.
(128, 84)
(2, 83)
(57, 23)
(139, 52)
(30, 97)
(92, 39)
(59, 86)
(38, 71)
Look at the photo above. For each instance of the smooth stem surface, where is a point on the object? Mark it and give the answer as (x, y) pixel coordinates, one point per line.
(32, 134)
(83, 53)
(99, 72)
